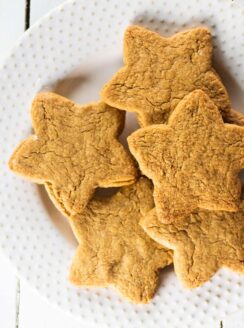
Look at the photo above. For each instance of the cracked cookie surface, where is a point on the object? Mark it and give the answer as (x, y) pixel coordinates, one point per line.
(194, 161)
(202, 243)
(74, 150)
(114, 249)
(160, 71)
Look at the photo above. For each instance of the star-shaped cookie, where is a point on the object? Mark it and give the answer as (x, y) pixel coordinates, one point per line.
(74, 150)
(114, 249)
(160, 71)
(194, 161)
(202, 243)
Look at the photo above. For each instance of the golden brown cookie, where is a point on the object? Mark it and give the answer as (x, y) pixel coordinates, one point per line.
(74, 150)
(235, 117)
(114, 249)
(193, 161)
(202, 243)
(160, 71)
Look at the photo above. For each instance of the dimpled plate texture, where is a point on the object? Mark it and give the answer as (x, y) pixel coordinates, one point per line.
(74, 50)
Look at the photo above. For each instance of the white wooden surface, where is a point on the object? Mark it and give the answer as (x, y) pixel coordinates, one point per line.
(10, 11)
(20, 307)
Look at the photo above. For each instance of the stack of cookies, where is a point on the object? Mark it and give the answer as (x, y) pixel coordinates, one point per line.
(179, 202)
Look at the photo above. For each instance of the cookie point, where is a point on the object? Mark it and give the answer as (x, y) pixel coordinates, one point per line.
(44, 96)
(132, 139)
(205, 30)
(134, 28)
(197, 93)
(11, 163)
(201, 30)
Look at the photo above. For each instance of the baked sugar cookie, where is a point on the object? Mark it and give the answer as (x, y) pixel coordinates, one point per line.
(194, 160)
(160, 71)
(203, 242)
(114, 249)
(74, 150)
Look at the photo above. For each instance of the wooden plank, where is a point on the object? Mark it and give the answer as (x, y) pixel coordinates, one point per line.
(39, 8)
(12, 17)
(8, 295)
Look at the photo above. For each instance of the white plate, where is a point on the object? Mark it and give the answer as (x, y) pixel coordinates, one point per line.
(74, 50)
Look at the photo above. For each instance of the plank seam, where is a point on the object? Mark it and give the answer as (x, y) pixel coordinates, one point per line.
(27, 14)
(17, 304)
